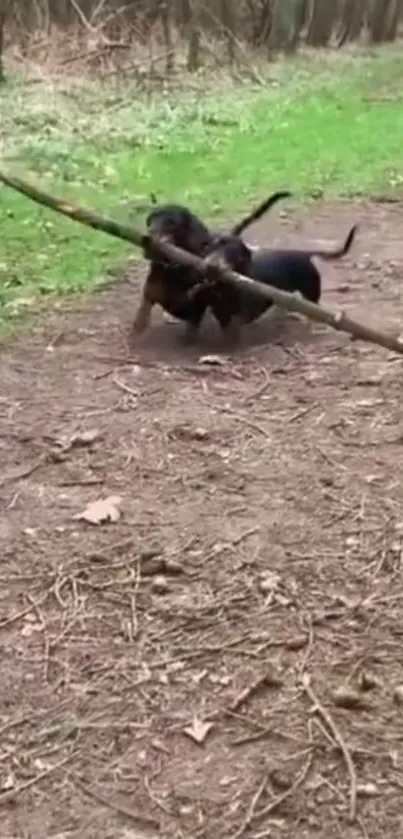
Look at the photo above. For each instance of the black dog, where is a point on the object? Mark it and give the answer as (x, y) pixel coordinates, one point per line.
(171, 285)
(287, 270)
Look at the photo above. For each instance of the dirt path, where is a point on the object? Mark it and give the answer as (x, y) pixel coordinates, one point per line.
(261, 535)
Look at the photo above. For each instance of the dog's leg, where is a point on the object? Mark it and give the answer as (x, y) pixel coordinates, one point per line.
(151, 294)
(191, 333)
(142, 317)
(275, 312)
(232, 331)
(193, 322)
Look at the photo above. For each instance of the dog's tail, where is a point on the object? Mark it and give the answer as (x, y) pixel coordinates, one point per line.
(256, 214)
(337, 253)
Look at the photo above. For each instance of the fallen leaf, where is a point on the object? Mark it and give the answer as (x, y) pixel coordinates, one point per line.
(346, 697)
(29, 628)
(368, 790)
(9, 782)
(368, 681)
(105, 509)
(80, 438)
(198, 731)
(398, 695)
(269, 581)
(85, 438)
(160, 584)
(212, 360)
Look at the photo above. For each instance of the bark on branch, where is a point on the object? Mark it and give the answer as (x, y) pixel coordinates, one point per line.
(337, 320)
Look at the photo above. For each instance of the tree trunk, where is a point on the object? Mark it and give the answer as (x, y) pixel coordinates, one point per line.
(193, 62)
(392, 20)
(352, 21)
(228, 20)
(168, 40)
(2, 24)
(288, 16)
(183, 14)
(381, 20)
(324, 13)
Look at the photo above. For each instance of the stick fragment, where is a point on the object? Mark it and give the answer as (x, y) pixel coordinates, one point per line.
(329, 721)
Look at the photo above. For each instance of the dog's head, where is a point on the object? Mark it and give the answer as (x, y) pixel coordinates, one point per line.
(179, 226)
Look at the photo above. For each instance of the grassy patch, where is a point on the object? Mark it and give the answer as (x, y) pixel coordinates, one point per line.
(330, 121)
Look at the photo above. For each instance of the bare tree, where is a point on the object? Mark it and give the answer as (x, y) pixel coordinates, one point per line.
(276, 24)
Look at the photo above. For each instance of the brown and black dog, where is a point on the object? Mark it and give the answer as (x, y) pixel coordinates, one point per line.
(171, 285)
(289, 270)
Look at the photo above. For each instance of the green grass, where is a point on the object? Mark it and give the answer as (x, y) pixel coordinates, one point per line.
(327, 121)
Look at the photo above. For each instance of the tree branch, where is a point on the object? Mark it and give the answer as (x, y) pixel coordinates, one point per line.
(337, 320)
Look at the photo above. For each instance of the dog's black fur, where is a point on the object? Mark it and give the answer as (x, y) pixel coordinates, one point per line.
(171, 285)
(287, 270)
(179, 226)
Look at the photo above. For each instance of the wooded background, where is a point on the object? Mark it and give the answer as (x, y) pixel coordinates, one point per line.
(265, 25)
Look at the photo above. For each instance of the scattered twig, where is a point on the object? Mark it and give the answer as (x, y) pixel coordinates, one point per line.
(288, 792)
(12, 794)
(37, 608)
(26, 471)
(309, 646)
(242, 536)
(134, 624)
(250, 815)
(267, 680)
(33, 606)
(337, 320)
(301, 413)
(153, 797)
(125, 388)
(253, 813)
(328, 719)
(139, 818)
(246, 421)
(260, 391)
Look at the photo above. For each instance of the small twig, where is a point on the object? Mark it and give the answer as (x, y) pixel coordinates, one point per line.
(309, 646)
(299, 414)
(33, 606)
(161, 804)
(259, 392)
(246, 421)
(134, 624)
(42, 621)
(250, 815)
(125, 388)
(288, 792)
(267, 680)
(139, 818)
(328, 719)
(250, 532)
(12, 794)
(26, 472)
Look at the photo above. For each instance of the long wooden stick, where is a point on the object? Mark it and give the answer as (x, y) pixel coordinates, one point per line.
(337, 320)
